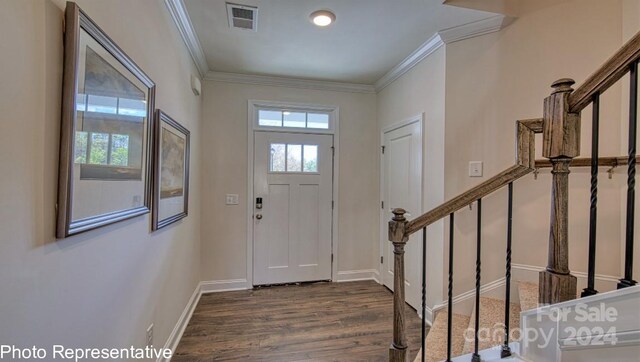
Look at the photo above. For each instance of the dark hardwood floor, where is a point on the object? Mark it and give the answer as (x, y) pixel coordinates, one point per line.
(310, 322)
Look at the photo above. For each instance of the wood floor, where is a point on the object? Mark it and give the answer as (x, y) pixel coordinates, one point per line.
(310, 322)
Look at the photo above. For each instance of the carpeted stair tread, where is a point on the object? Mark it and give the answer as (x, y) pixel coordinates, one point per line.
(436, 341)
(528, 293)
(492, 324)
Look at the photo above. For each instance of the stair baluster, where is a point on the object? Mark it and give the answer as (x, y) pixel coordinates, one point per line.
(476, 355)
(506, 350)
(593, 210)
(450, 291)
(628, 281)
(424, 290)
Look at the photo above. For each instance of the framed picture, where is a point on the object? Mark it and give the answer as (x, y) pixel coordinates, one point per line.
(171, 171)
(107, 116)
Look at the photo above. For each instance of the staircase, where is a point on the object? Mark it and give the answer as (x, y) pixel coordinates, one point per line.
(489, 331)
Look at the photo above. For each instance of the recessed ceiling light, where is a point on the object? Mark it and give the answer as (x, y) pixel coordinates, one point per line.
(322, 17)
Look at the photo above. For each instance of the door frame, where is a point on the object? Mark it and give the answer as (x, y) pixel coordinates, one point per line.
(418, 118)
(252, 127)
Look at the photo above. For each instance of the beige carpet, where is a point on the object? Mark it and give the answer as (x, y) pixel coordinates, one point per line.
(492, 324)
(436, 341)
(528, 293)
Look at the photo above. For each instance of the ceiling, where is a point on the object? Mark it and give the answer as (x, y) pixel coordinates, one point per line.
(368, 38)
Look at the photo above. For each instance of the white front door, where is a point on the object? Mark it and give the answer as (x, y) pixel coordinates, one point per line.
(293, 176)
(402, 187)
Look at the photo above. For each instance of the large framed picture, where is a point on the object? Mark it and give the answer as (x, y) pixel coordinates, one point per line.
(107, 116)
(171, 171)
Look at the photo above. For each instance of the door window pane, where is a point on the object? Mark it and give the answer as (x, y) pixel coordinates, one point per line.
(318, 120)
(120, 150)
(80, 148)
(99, 148)
(277, 157)
(270, 118)
(294, 158)
(310, 163)
(295, 119)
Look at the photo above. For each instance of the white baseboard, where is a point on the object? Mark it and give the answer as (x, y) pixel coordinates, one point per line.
(214, 286)
(356, 275)
(524, 272)
(183, 321)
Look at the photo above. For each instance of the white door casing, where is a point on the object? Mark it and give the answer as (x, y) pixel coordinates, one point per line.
(401, 178)
(292, 239)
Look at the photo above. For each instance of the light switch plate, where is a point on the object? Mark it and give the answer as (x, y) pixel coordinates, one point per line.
(475, 168)
(232, 199)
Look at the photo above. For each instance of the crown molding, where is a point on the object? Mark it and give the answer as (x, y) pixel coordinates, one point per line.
(476, 28)
(183, 22)
(446, 36)
(423, 51)
(288, 82)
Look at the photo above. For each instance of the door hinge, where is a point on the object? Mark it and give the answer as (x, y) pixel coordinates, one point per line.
(382, 204)
(382, 149)
(333, 150)
(332, 258)
(382, 260)
(332, 204)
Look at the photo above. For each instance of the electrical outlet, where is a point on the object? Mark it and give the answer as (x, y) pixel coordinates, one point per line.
(232, 199)
(150, 335)
(475, 169)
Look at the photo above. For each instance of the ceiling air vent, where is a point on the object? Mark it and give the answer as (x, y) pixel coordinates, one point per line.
(242, 17)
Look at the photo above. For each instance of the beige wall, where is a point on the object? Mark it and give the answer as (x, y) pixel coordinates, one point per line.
(224, 167)
(102, 288)
(477, 89)
(496, 79)
(422, 90)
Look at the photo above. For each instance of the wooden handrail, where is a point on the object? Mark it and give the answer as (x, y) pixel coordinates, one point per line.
(586, 162)
(525, 163)
(610, 72)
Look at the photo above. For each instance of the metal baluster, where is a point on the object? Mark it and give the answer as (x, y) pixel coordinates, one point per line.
(631, 178)
(506, 350)
(450, 294)
(424, 291)
(476, 356)
(593, 211)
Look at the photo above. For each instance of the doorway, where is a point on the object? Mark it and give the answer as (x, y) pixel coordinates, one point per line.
(401, 168)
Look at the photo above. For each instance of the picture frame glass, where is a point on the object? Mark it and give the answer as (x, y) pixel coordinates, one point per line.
(173, 158)
(110, 140)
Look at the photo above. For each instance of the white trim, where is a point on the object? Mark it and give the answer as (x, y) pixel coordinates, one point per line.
(578, 274)
(215, 286)
(446, 36)
(423, 51)
(476, 28)
(383, 219)
(181, 324)
(357, 275)
(275, 81)
(470, 294)
(182, 20)
(334, 129)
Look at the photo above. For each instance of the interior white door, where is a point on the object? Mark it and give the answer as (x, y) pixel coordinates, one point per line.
(402, 187)
(293, 176)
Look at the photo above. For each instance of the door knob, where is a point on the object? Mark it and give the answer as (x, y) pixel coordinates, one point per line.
(259, 216)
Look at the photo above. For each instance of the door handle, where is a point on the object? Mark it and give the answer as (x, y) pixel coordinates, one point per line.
(259, 216)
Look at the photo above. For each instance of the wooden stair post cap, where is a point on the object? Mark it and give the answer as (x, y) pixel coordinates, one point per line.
(563, 85)
(398, 214)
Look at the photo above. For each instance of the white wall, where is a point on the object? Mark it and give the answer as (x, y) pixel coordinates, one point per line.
(224, 167)
(104, 287)
(422, 90)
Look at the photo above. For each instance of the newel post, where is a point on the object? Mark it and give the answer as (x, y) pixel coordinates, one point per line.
(397, 235)
(561, 143)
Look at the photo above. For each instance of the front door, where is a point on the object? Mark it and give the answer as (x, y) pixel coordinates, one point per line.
(402, 187)
(292, 221)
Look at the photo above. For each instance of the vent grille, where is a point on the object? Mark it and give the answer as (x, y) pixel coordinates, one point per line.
(242, 17)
